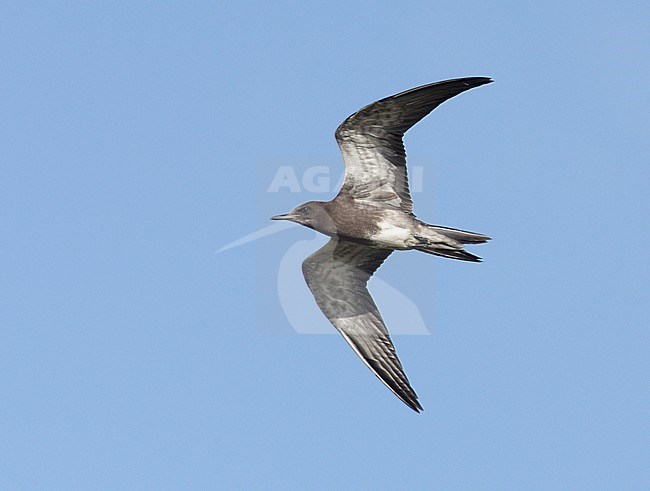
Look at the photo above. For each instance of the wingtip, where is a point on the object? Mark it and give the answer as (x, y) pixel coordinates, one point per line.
(411, 400)
(476, 81)
(416, 407)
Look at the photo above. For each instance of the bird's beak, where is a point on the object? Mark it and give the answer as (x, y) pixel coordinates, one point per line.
(286, 216)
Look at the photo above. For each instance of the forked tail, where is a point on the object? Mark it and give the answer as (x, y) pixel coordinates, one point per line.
(462, 236)
(448, 242)
(461, 254)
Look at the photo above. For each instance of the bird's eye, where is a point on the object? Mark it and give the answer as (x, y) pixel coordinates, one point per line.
(304, 209)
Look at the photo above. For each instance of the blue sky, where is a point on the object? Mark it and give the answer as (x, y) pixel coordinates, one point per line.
(138, 138)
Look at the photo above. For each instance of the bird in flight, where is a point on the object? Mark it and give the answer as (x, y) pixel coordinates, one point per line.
(370, 218)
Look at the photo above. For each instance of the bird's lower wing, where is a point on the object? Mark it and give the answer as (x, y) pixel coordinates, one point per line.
(337, 275)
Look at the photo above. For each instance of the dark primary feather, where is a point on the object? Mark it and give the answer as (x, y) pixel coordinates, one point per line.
(372, 146)
(337, 275)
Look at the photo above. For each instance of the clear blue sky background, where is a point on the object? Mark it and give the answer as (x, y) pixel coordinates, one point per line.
(132, 140)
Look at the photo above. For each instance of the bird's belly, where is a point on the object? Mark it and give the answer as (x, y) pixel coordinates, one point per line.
(392, 237)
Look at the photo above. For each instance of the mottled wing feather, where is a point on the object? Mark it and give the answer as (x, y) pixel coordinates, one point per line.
(337, 275)
(372, 146)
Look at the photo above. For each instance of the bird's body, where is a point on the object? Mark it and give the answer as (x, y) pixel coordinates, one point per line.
(372, 216)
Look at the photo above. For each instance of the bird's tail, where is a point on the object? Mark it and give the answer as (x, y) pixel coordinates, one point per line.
(452, 245)
(461, 236)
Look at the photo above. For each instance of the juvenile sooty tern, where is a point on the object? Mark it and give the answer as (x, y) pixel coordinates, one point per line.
(371, 217)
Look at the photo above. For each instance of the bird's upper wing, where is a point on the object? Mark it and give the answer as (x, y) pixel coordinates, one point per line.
(337, 275)
(372, 146)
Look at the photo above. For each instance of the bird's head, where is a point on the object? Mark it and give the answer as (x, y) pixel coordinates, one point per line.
(311, 214)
